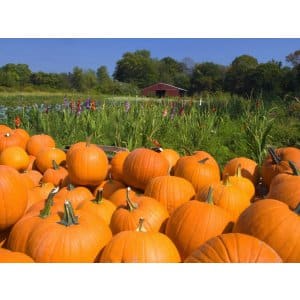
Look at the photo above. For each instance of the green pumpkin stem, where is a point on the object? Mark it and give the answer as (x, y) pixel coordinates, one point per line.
(130, 205)
(275, 158)
(209, 197)
(70, 187)
(141, 227)
(55, 166)
(88, 140)
(99, 196)
(292, 165)
(297, 209)
(46, 211)
(69, 217)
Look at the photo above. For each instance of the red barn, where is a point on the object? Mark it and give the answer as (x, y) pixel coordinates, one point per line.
(163, 90)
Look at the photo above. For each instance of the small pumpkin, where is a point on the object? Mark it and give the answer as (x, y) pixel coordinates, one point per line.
(37, 142)
(16, 157)
(7, 256)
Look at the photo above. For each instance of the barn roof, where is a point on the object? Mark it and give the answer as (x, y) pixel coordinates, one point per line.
(162, 84)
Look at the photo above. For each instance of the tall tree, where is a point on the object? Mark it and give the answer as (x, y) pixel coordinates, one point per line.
(136, 68)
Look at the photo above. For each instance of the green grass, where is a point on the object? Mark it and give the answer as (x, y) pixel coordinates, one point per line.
(225, 127)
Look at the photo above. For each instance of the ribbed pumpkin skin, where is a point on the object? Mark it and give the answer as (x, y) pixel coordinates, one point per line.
(45, 157)
(141, 165)
(87, 164)
(55, 176)
(270, 169)
(140, 247)
(199, 172)
(154, 213)
(229, 197)
(193, 223)
(249, 168)
(274, 223)
(172, 157)
(171, 191)
(54, 242)
(234, 248)
(38, 142)
(117, 162)
(13, 197)
(118, 198)
(7, 256)
(109, 186)
(286, 188)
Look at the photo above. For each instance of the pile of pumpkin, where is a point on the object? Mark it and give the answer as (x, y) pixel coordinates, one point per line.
(144, 205)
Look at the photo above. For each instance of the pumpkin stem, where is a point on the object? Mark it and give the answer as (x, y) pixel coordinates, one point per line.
(292, 165)
(275, 158)
(69, 217)
(226, 180)
(186, 150)
(99, 196)
(238, 172)
(55, 166)
(45, 212)
(157, 149)
(204, 160)
(130, 205)
(209, 197)
(88, 140)
(297, 209)
(141, 227)
(70, 187)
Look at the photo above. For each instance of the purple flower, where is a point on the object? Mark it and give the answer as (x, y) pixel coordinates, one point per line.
(127, 106)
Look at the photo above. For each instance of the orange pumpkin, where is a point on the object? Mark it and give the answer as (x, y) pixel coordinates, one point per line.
(13, 197)
(16, 157)
(56, 175)
(140, 246)
(7, 256)
(87, 164)
(234, 248)
(38, 142)
(116, 163)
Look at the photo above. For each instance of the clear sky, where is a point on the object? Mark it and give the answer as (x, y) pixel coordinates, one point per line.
(62, 54)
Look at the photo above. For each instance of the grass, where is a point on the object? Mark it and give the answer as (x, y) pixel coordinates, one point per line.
(225, 127)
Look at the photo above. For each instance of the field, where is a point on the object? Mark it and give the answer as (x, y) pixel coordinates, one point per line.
(225, 126)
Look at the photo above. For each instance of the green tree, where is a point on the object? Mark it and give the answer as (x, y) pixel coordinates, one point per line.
(294, 58)
(136, 68)
(104, 81)
(237, 75)
(77, 80)
(89, 80)
(207, 77)
(168, 69)
(15, 75)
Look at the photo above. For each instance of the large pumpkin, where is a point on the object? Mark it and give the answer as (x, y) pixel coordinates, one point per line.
(194, 222)
(87, 164)
(13, 196)
(141, 165)
(139, 246)
(234, 248)
(274, 223)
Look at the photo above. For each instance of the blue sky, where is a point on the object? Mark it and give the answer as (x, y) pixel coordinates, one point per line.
(62, 54)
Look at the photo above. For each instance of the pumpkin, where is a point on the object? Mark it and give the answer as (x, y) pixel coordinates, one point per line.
(277, 162)
(7, 256)
(32, 178)
(37, 142)
(77, 236)
(108, 187)
(194, 222)
(200, 172)
(13, 197)
(87, 164)
(44, 159)
(119, 197)
(171, 191)
(126, 217)
(274, 223)
(141, 165)
(55, 175)
(172, 157)
(228, 196)
(286, 187)
(234, 248)
(116, 163)
(100, 206)
(16, 157)
(249, 168)
(140, 246)
(73, 194)
(11, 138)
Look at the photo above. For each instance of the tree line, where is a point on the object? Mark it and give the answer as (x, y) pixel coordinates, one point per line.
(245, 76)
